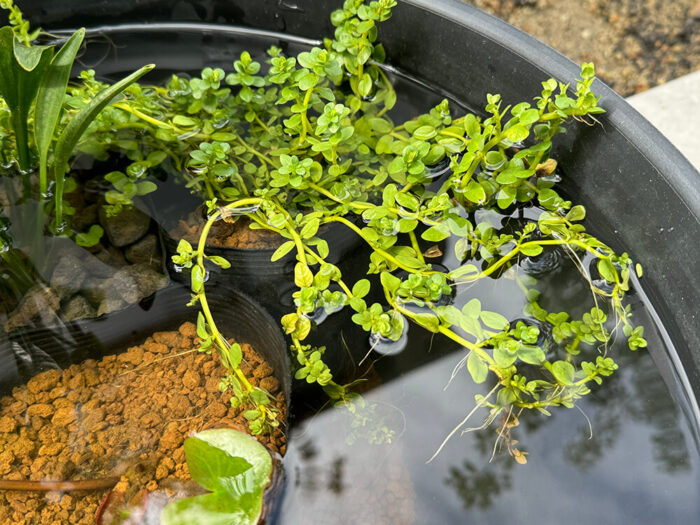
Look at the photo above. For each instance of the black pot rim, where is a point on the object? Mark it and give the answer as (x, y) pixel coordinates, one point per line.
(115, 332)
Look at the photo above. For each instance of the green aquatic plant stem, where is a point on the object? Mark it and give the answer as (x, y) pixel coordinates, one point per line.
(519, 248)
(221, 343)
(304, 119)
(383, 253)
(443, 330)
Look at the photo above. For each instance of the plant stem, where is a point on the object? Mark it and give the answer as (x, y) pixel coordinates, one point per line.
(304, 119)
(378, 250)
(414, 243)
(221, 343)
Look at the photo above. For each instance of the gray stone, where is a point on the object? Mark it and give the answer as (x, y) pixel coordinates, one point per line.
(78, 307)
(110, 305)
(84, 218)
(126, 227)
(39, 302)
(92, 291)
(68, 275)
(143, 251)
(58, 248)
(112, 257)
(130, 284)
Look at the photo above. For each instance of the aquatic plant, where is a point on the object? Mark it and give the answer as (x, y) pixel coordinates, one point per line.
(38, 128)
(309, 140)
(234, 468)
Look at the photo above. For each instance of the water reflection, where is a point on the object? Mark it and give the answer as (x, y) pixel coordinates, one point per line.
(637, 466)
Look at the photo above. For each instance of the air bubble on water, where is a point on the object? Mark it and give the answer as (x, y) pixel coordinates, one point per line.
(546, 262)
(288, 5)
(188, 134)
(343, 196)
(237, 212)
(603, 285)
(61, 228)
(438, 170)
(490, 167)
(137, 170)
(317, 316)
(403, 212)
(385, 346)
(178, 268)
(205, 277)
(220, 123)
(505, 143)
(196, 171)
(553, 178)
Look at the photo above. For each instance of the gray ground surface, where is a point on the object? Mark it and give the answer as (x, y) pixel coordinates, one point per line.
(635, 44)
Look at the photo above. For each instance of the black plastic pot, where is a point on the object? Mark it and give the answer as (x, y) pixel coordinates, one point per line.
(251, 270)
(30, 351)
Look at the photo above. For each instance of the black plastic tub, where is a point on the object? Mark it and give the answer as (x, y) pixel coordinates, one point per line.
(642, 196)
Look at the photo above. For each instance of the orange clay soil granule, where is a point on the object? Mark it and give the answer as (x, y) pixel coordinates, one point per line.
(227, 234)
(124, 417)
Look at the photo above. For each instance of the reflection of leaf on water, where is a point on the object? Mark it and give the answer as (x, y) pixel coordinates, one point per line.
(478, 488)
(586, 451)
(637, 395)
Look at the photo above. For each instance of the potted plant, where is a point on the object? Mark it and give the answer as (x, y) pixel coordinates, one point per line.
(135, 459)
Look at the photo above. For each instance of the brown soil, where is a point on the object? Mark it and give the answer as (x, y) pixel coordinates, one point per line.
(225, 234)
(635, 44)
(126, 415)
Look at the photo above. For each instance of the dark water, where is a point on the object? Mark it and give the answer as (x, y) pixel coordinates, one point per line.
(637, 461)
